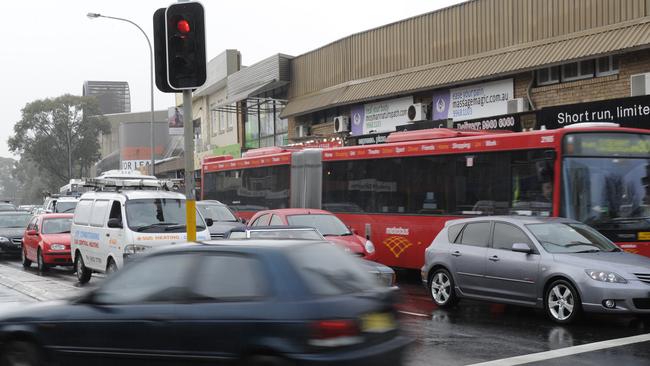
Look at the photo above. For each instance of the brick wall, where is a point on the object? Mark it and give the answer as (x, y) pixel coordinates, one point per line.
(588, 90)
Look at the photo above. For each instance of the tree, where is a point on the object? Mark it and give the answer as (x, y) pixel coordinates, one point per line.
(60, 136)
(8, 183)
(32, 183)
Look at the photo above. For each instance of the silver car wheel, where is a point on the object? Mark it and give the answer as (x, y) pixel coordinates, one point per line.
(560, 302)
(440, 288)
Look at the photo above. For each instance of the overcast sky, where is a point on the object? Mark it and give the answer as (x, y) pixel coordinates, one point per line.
(50, 47)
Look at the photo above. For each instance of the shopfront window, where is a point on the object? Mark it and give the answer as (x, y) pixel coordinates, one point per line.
(264, 127)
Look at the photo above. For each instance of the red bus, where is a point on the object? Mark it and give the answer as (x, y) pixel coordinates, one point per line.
(399, 194)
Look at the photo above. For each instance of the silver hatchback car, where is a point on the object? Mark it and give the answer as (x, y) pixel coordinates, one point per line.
(559, 265)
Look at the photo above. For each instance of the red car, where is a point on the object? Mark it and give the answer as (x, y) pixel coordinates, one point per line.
(47, 241)
(332, 228)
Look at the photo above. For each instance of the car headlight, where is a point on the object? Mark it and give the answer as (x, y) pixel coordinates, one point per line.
(135, 248)
(370, 247)
(605, 276)
(4, 240)
(57, 247)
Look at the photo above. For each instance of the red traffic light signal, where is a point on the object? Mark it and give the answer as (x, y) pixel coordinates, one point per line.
(179, 43)
(183, 26)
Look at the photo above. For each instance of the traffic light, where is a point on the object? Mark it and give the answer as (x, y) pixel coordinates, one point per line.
(185, 43)
(160, 51)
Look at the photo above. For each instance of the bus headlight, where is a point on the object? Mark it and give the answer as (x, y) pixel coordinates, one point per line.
(370, 247)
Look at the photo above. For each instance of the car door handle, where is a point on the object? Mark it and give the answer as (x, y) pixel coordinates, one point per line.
(456, 253)
(494, 258)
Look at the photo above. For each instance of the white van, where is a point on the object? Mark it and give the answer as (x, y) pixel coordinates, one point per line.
(109, 226)
(63, 204)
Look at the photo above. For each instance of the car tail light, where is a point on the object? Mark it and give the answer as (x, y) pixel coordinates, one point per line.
(335, 333)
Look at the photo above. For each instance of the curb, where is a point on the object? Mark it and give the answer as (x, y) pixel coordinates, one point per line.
(27, 289)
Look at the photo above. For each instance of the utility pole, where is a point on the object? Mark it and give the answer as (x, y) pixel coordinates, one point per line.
(188, 131)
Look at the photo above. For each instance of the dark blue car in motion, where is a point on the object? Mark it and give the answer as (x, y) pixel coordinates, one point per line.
(254, 302)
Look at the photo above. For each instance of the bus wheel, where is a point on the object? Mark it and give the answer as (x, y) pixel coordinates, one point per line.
(83, 273)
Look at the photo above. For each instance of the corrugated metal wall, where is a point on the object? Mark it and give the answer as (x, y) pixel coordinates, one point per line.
(462, 30)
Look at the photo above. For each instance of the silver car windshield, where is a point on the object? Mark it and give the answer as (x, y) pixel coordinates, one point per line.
(570, 238)
(326, 224)
(217, 212)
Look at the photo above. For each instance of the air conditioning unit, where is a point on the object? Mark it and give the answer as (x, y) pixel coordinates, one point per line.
(640, 84)
(342, 124)
(517, 105)
(302, 131)
(417, 112)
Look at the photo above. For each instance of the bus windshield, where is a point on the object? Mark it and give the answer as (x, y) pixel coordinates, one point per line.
(605, 181)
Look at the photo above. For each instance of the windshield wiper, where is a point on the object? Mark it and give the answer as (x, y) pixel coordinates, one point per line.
(576, 243)
(68, 210)
(151, 226)
(588, 251)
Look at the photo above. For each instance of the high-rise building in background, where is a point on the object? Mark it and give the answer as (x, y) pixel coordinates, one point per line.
(112, 96)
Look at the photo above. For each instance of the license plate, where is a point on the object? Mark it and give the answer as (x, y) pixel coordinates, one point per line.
(644, 235)
(377, 322)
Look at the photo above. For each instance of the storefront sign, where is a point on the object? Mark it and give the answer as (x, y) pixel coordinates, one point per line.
(628, 112)
(474, 101)
(510, 122)
(379, 117)
(134, 164)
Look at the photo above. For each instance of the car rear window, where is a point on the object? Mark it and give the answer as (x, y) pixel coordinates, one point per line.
(328, 271)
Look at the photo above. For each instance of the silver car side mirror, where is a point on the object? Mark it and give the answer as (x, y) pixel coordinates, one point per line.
(521, 248)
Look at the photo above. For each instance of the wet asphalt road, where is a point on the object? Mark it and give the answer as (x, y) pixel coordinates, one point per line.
(473, 332)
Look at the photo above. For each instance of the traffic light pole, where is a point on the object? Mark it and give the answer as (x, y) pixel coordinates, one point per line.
(188, 130)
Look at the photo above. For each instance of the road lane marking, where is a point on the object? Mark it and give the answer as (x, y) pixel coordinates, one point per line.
(414, 314)
(567, 351)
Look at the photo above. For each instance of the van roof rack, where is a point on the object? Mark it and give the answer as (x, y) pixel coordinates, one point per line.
(111, 184)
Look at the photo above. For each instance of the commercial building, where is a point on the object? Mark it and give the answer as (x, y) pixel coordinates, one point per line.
(112, 96)
(506, 64)
(127, 145)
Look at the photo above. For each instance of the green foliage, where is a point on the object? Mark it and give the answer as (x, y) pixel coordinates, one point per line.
(60, 136)
(8, 183)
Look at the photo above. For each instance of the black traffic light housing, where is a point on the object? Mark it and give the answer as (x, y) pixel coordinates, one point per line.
(160, 51)
(185, 31)
(179, 43)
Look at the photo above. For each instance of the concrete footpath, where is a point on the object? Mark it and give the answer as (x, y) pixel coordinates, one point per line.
(41, 288)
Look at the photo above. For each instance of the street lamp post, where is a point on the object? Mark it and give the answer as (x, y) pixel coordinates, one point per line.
(97, 15)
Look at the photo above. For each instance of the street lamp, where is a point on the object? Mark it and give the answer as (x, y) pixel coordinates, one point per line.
(97, 15)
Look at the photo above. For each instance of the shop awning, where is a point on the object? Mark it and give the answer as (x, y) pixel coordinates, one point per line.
(265, 75)
(529, 56)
